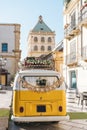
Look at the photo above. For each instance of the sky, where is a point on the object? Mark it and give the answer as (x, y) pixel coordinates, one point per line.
(26, 13)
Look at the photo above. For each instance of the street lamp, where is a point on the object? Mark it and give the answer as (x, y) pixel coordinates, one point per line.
(3, 62)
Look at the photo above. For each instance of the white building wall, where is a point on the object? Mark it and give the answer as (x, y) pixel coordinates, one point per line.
(7, 36)
(84, 36)
(10, 34)
(82, 80)
(80, 67)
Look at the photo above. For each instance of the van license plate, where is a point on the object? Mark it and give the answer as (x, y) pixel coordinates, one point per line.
(41, 108)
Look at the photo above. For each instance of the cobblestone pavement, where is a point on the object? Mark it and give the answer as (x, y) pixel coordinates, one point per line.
(4, 122)
(63, 125)
(73, 125)
(5, 98)
(5, 102)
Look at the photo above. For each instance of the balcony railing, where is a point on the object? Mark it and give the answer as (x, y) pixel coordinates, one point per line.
(71, 58)
(71, 30)
(83, 15)
(84, 53)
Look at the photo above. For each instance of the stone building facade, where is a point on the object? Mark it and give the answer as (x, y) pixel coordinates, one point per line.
(41, 39)
(75, 45)
(10, 51)
(58, 57)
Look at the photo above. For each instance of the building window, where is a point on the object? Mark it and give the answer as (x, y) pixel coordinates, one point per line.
(49, 39)
(4, 47)
(42, 39)
(73, 79)
(73, 51)
(49, 48)
(73, 20)
(35, 48)
(41, 28)
(42, 48)
(35, 39)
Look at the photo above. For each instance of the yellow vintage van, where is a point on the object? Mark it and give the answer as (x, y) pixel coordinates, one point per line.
(39, 96)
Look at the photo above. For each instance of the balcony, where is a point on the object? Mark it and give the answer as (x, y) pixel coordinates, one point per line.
(84, 53)
(66, 2)
(83, 15)
(71, 30)
(71, 59)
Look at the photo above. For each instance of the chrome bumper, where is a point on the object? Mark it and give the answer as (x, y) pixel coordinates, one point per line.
(39, 118)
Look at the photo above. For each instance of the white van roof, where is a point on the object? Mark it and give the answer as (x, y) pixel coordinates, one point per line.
(38, 72)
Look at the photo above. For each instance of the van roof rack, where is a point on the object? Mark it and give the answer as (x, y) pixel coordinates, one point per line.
(35, 63)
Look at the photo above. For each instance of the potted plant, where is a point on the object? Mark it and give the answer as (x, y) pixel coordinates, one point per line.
(66, 25)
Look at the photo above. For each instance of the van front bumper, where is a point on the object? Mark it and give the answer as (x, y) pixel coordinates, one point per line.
(39, 118)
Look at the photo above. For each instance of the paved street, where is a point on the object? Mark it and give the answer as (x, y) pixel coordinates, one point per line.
(5, 98)
(63, 125)
(5, 101)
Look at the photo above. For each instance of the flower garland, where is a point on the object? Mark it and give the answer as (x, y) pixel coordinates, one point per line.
(37, 88)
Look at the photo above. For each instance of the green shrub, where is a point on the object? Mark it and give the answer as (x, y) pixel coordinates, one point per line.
(4, 112)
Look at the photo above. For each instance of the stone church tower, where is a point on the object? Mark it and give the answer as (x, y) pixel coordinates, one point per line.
(41, 39)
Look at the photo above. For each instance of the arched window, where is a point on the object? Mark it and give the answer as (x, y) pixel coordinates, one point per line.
(35, 48)
(42, 39)
(35, 39)
(49, 39)
(42, 48)
(49, 48)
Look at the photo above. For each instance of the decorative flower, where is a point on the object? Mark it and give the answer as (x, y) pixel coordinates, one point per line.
(35, 63)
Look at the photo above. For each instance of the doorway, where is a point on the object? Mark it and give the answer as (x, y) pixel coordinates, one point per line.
(73, 80)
